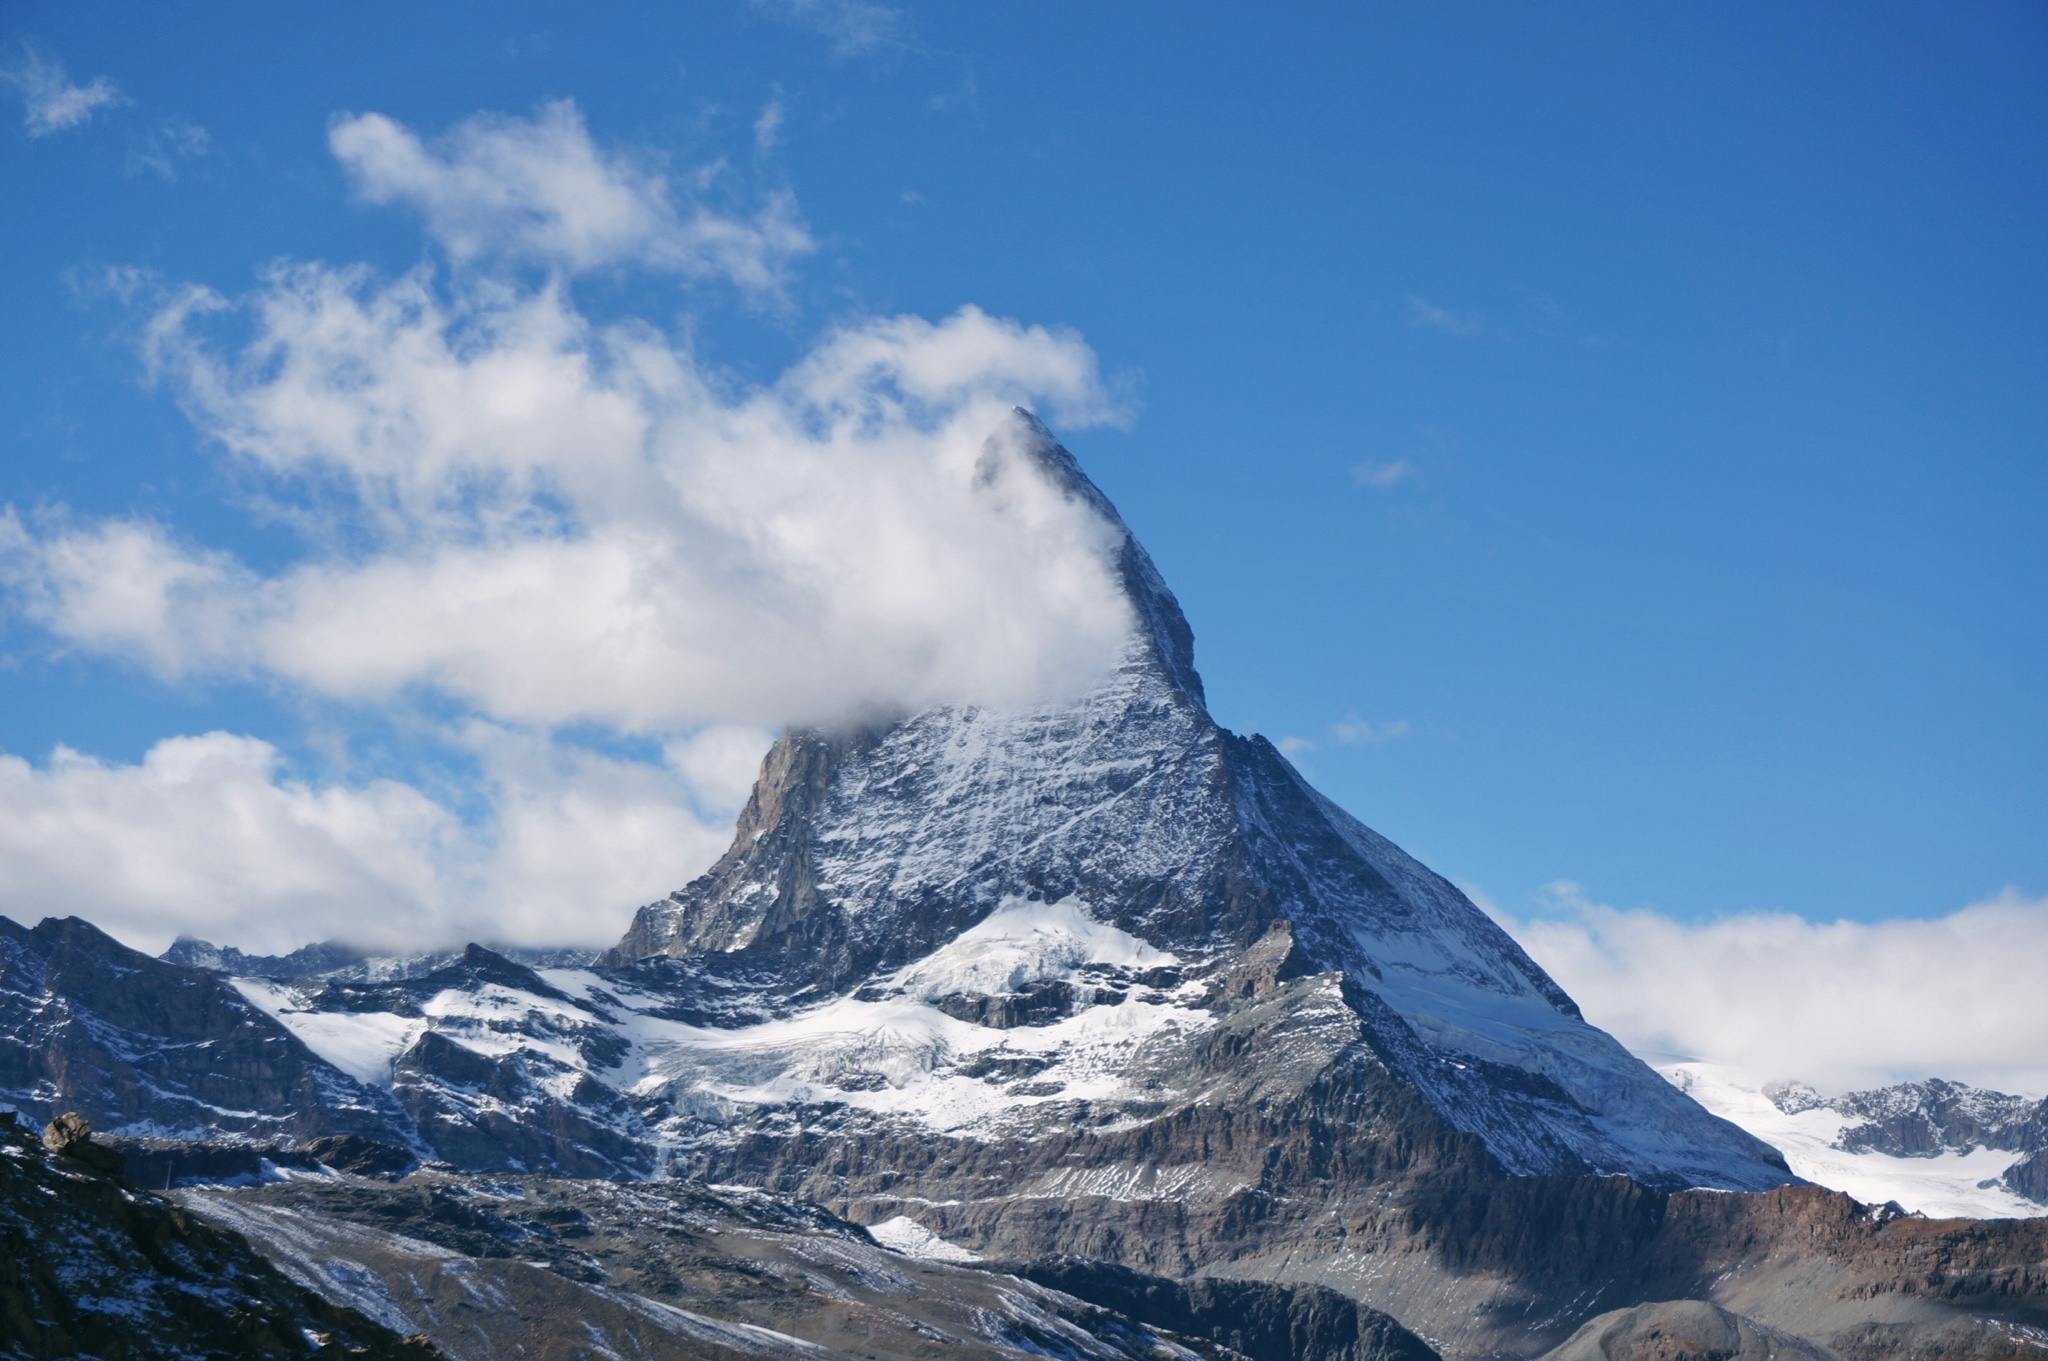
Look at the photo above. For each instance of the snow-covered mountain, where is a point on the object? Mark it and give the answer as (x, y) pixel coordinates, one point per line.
(1935, 1148)
(332, 962)
(967, 922)
(1096, 980)
(964, 854)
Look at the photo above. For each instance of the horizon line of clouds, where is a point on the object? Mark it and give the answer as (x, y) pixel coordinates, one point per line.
(1841, 1004)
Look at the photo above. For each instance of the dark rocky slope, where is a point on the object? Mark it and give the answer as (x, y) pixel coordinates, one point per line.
(89, 1267)
(89, 1025)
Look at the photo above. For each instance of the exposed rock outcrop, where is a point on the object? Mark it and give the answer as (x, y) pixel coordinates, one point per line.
(1683, 1330)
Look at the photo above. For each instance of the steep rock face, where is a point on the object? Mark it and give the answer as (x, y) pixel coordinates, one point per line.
(862, 853)
(148, 1048)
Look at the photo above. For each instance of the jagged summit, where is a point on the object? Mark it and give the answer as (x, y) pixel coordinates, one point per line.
(1162, 628)
(862, 852)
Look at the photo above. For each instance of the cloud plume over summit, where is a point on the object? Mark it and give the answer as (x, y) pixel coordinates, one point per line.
(512, 517)
(556, 520)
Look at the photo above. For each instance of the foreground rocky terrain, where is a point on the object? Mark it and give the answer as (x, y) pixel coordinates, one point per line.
(1096, 983)
(91, 1268)
(543, 1266)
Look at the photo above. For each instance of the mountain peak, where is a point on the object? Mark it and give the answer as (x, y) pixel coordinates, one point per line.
(1163, 630)
(988, 835)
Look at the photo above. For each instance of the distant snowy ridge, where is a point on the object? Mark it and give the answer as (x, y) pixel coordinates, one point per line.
(333, 962)
(1941, 1149)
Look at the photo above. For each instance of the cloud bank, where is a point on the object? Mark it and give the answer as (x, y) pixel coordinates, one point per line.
(209, 836)
(1843, 1005)
(523, 521)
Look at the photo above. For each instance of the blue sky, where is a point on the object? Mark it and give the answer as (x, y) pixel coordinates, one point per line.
(1607, 443)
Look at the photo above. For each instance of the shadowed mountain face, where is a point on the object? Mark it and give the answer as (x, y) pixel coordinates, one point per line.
(151, 1048)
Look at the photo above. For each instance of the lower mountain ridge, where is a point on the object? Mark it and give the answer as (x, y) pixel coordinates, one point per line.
(973, 998)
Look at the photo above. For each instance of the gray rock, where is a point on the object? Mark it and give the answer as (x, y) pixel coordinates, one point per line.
(1683, 1330)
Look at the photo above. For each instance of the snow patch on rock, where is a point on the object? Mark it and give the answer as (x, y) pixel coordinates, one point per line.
(1021, 943)
(905, 1235)
(361, 1044)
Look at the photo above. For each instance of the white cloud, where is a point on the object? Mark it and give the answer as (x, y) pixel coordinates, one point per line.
(1383, 475)
(124, 588)
(1291, 747)
(1841, 1004)
(162, 146)
(207, 836)
(852, 27)
(768, 127)
(1353, 731)
(539, 190)
(554, 522)
(50, 102)
(541, 522)
(1448, 320)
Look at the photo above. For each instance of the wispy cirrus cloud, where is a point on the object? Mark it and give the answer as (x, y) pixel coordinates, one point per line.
(1384, 474)
(1348, 731)
(852, 27)
(51, 101)
(768, 127)
(159, 149)
(1353, 731)
(1450, 321)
